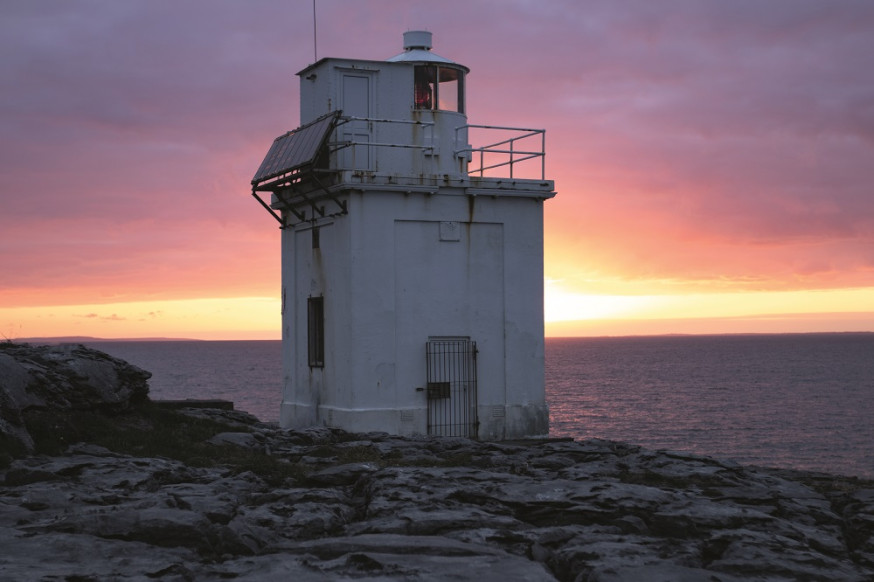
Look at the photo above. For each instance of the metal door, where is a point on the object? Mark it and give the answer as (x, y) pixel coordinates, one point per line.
(451, 387)
(356, 103)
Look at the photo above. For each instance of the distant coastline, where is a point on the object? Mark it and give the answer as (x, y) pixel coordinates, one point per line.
(726, 334)
(84, 339)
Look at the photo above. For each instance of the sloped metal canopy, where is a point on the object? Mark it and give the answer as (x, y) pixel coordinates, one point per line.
(289, 171)
(296, 149)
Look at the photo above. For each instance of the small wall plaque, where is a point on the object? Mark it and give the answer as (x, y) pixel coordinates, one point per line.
(450, 231)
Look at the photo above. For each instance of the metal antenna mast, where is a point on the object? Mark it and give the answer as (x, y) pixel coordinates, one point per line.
(315, 38)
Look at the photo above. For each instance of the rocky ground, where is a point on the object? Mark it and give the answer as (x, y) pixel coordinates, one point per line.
(136, 492)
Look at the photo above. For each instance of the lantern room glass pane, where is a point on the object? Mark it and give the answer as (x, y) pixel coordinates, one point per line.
(425, 88)
(438, 88)
(449, 90)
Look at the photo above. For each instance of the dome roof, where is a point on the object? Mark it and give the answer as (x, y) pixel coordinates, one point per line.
(417, 48)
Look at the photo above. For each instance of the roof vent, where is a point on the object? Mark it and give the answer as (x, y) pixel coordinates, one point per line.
(417, 50)
(417, 39)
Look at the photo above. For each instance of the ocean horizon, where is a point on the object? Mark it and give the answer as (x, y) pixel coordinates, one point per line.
(798, 401)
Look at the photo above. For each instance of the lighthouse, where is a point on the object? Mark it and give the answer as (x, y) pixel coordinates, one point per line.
(412, 254)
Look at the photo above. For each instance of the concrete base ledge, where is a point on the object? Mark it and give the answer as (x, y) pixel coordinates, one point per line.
(496, 422)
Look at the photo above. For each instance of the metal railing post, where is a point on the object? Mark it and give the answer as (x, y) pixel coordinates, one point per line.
(512, 141)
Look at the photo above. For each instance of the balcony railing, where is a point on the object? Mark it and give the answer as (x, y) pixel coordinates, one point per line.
(515, 146)
(507, 151)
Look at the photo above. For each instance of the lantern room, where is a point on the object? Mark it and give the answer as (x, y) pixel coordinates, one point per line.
(438, 83)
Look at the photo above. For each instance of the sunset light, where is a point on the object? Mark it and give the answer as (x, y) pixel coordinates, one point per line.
(714, 162)
(561, 305)
(569, 314)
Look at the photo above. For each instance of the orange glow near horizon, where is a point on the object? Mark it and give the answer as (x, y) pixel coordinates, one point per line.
(567, 314)
(240, 318)
(576, 314)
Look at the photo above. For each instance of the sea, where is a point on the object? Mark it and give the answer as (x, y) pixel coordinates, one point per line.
(797, 401)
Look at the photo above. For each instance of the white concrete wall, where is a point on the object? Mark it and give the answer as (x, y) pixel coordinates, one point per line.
(398, 284)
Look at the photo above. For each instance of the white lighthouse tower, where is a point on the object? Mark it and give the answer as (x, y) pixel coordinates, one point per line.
(412, 261)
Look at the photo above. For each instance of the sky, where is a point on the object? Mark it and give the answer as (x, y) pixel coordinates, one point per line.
(714, 160)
